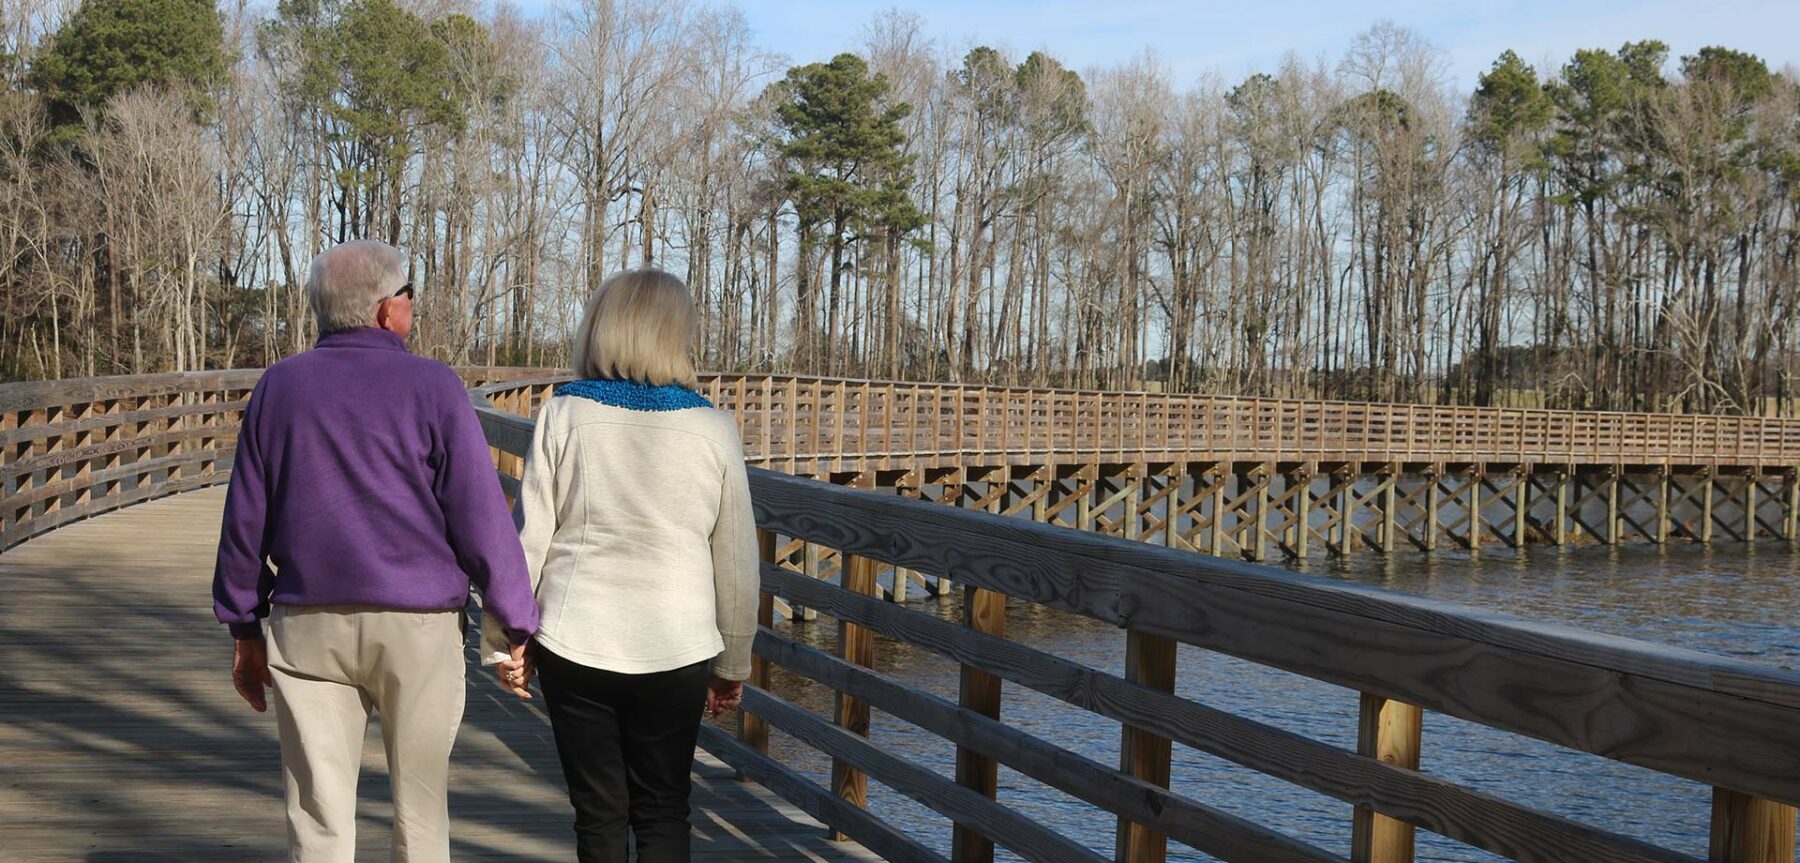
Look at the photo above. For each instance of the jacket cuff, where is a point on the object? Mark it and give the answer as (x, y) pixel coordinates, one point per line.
(241, 631)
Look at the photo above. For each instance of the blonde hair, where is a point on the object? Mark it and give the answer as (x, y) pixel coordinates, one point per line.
(639, 326)
(347, 281)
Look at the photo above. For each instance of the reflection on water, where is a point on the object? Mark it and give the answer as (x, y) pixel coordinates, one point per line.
(1728, 599)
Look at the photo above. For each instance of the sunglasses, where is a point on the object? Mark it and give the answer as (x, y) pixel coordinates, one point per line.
(406, 291)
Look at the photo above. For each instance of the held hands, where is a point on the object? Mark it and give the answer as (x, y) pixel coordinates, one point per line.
(723, 695)
(515, 673)
(250, 671)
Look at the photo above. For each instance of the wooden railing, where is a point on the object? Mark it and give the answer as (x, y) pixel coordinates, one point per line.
(74, 448)
(813, 425)
(1728, 724)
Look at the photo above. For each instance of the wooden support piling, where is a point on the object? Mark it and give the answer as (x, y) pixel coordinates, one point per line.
(1265, 474)
(1790, 516)
(1216, 540)
(1477, 526)
(1612, 507)
(1561, 534)
(1432, 502)
(1521, 503)
(1390, 477)
(809, 566)
(1662, 507)
(1706, 508)
(1302, 512)
(1750, 480)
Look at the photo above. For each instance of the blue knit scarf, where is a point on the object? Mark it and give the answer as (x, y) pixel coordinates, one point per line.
(632, 395)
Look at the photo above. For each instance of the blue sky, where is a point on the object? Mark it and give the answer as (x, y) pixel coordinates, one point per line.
(1237, 38)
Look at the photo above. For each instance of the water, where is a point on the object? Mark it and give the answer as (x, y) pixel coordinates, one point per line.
(1729, 599)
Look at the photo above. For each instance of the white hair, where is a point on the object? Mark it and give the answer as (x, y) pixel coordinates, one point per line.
(347, 281)
(639, 325)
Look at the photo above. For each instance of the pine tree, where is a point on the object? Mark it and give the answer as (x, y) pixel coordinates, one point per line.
(847, 174)
(108, 47)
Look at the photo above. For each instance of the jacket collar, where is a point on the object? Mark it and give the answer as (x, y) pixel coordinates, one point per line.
(362, 337)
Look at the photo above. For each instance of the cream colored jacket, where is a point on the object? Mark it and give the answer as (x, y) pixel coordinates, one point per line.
(639, 538)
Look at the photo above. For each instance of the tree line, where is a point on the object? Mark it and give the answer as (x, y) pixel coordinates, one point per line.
(1619, 232)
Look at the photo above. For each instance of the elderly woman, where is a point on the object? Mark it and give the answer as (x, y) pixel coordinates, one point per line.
(642, 552)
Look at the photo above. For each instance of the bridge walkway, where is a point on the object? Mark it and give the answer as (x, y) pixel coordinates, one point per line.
(122, 740)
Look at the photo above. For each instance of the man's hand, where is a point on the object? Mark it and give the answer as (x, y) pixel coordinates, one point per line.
(515, 673)
(723, 695)
(250, 671)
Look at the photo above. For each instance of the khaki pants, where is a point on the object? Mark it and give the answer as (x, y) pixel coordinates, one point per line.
(331, 665)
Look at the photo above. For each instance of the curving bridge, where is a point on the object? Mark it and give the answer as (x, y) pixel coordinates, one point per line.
(119, 740)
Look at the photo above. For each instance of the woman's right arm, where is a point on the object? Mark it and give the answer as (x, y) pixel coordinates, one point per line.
(737, 574)
(534, 514)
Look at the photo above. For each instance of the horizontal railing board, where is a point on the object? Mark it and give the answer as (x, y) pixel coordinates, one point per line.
(1472, 817)
(27, 529)
(33, 395)
(1709, 719)
(866, 829)
(1025, 837)
(1214, 832)
(65, 457)
(99, 421)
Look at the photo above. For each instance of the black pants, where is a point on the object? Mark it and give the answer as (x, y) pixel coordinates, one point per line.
(627, 748)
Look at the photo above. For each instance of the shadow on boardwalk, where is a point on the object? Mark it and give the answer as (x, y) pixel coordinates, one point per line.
(122, 741)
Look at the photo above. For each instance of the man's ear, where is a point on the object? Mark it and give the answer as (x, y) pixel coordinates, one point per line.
(381, 314)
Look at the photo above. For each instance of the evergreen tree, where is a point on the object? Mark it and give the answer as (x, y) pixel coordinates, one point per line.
(108, 47)
(841, 140)
(375, 75)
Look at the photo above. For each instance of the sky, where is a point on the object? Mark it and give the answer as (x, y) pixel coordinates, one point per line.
(1236, 39)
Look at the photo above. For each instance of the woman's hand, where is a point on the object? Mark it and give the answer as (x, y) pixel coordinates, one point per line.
(723, 695)
(515, 673)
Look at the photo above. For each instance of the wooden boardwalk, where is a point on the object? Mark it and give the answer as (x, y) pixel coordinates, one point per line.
(122, 741)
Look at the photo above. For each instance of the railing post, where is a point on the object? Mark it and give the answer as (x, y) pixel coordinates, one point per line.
(1150, 661)
(983, 611)
(1389, 731)
(754, 731)
(855, 644)
(1748, 829)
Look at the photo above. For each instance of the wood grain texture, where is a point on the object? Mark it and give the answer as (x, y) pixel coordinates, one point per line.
(1746, 829)
(1390, 732)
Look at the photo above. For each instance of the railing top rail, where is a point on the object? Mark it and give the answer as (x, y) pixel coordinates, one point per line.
(27, 395)
(1250, 400)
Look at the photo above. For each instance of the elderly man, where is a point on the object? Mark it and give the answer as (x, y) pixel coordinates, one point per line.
(362, 476)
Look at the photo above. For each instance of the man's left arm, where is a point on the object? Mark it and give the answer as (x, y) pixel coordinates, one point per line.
(477, 522)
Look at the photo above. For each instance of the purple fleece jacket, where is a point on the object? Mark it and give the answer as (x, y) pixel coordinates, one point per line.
(363, 476)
